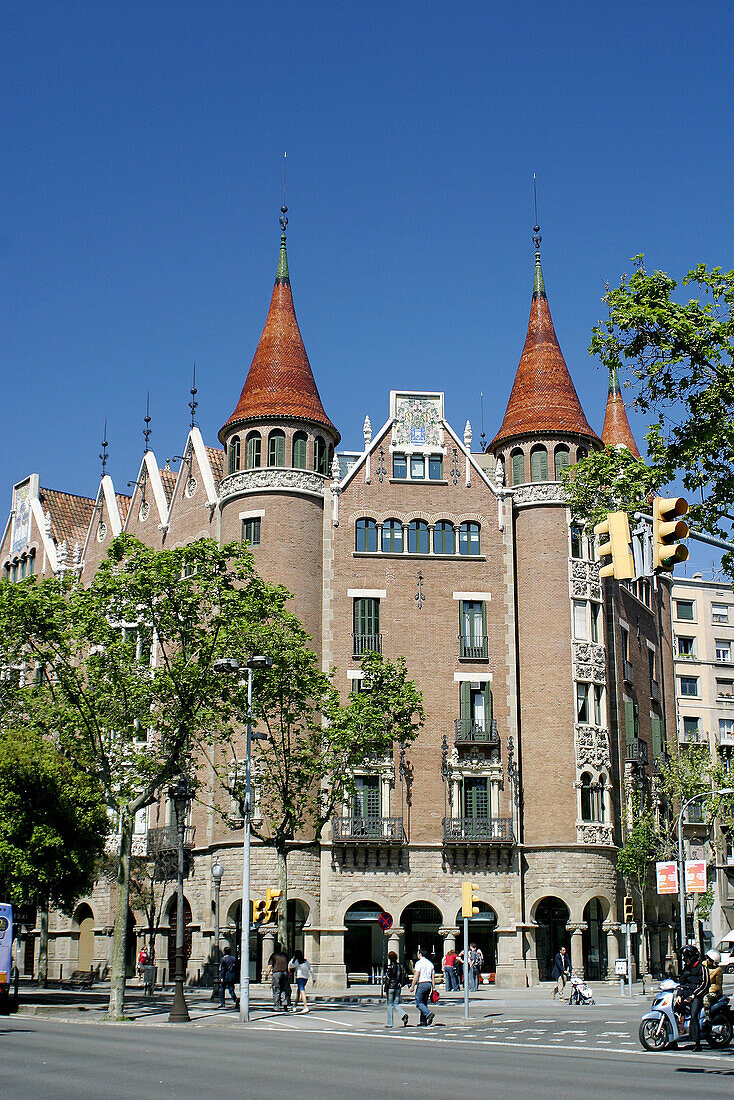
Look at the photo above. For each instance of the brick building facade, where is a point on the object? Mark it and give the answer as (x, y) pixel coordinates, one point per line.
(545, 691)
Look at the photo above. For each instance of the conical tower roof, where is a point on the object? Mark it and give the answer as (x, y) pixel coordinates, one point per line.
(616, 431)
(543, 397)
(280, 382)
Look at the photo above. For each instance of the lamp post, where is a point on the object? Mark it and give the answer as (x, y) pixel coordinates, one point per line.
(232, 667)
(681, 860)
(217, 872)
(180, 795)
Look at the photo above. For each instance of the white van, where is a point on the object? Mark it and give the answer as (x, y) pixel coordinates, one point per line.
(726, 949)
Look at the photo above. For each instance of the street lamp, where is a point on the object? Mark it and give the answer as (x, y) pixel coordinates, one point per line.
(232, 667)
(681, 861)
(180, 795)
(217, 872)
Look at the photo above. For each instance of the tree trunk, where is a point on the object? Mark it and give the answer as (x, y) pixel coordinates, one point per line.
(43, 946)
(115, 1009)
(283, 903)
(643, 939)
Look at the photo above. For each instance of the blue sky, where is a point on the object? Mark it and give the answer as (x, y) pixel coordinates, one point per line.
(141, 183)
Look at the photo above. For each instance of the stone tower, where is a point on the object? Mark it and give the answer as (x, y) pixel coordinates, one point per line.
(279, 446)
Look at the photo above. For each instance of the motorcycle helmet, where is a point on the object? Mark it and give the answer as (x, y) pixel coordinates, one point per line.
(691, 953)
(714, 956)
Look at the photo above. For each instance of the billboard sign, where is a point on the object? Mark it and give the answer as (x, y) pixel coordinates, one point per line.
(696, 876)
(667, 877)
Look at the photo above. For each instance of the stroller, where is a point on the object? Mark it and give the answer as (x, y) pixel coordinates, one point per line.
(580, 993)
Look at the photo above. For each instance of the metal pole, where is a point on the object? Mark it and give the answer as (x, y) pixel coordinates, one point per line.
(217, 954)
(179, 1012)
(245, 935)
(465, 968)
(629, 960)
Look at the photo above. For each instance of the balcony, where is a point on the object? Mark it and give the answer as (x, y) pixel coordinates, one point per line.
(655, 691)
(628, 672)
(469, 732)
(636, 752)
(685, 656)
(473, 649)
(726, 740)
(165, 839)
(691, 737)
(478, 830)
(368, 830)
(366, 643)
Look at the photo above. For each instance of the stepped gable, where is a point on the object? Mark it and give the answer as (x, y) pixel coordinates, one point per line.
(543, 397)
(70, 515)
(280, 382)
(616, 431)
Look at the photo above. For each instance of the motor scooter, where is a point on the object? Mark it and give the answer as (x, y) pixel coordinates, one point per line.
(662, 1027)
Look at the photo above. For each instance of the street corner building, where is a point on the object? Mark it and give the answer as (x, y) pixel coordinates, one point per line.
(548, 693)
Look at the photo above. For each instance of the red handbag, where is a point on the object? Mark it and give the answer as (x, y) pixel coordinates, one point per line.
(434, 997)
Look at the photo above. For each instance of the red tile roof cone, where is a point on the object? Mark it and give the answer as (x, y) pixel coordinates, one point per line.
(543, 397)
(280, 382)
(616, 431)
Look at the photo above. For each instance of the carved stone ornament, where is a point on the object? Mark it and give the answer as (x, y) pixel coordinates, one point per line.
(144, 511)
(539, 492)
(585, 579)
(417, 424)
(594, 834)
(592, 748)
(589, 661)
(190, 487)
(384, 766)
(102, 532)
(271, 477)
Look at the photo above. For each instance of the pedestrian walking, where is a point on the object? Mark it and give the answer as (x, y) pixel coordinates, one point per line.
(227, 976)
(278, 973)
(301, 970)
(561, 972)
(474, 963)
(451, 982)
(423, 985)
(395, 979)
(143, 960)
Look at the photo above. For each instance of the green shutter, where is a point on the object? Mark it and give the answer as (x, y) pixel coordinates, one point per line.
(487, 705)
(476, 798)
(367, 796)
(629, 721)
(465, 701)
(657, 736)
(518, 468)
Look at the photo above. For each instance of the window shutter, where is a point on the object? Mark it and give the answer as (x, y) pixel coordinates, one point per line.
(657, 736)
(629, 721)
(518, 468)
(465, 701)
(484, 620)
(487, 705)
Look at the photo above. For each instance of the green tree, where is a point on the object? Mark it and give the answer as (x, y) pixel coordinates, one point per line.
(53, 825)
(643, 846)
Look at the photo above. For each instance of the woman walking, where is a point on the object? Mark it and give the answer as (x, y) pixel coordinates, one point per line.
(302, 970)
(394, 980)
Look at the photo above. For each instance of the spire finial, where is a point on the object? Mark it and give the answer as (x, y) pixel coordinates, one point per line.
(538, 283)
(282, 272)
(146, 430)
(284, 208)
(193, 403)
(536, 228)
(103, 456)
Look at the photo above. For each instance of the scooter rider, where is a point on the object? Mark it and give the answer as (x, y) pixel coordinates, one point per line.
(694, 981)
(712, 961)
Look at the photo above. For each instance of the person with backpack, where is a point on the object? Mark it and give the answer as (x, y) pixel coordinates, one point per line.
(227, 975)
(474, 963)
(395, 979)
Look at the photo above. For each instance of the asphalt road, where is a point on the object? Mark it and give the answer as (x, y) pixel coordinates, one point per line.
(44, 1058)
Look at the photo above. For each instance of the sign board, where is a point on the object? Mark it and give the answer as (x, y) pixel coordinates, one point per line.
(696, 876)
(631, 928)
(385, 921)
(620, 968)
(667, 877)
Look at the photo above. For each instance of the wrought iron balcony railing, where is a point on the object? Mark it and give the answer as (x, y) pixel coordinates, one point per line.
(469, 732)
(165, 839)
(655, 691)
(628, 672)
(473, 649)
(376, 830)
(478, 830)
(726, 739)
(366, 643)
(636, 751)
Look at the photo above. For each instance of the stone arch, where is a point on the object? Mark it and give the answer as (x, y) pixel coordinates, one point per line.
(551, 915)
(582, 900)
(83, 924)
(432, 898)
(504, 921)
(364, 941)
(421, 920)
(348, 900)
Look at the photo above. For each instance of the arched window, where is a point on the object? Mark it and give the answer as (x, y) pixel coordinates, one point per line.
(254, 446)
(320, 456)
(577, 541)
(469, 539)
(366, 536)
(299, 450)
(392, 536)
(233, 463)
(539, 464)
(330, 461)
(418, 537)
(443, 538)
(561, 459)
(518, 467)
(276, 448)
(587, 809)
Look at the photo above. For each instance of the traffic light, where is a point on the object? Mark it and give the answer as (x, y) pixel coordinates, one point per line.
(258, 911)
(469, 900)
(667, 528)
(629, 912)
(272, 898)
(618, 551)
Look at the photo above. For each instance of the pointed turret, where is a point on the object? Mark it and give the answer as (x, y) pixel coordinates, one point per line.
(543, 397)
(616, 431)
(280, 382)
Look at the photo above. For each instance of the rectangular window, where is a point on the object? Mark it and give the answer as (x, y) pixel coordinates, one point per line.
(251, 531)
(476, 797)
(625, 644)
(688, 685)
(475, 706)
(472, 629)
(582, 703)
(435, 468)
(598, 705)
(726, 726)
(724, 688)
(723, 650)
(580, 625)
(651, 662)
(720, 612)
(690, 728)
(596, 622)
(367, 796)
(399, 466)
(685, 646)
(366, 615)
(684, 609)
(577, 543)
(417, 467)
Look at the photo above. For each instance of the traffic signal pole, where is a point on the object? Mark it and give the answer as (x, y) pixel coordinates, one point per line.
(245, 922)
(465, 968)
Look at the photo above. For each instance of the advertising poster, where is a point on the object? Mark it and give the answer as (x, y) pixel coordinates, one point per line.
(696, 876)
(667, 877)
(21, 532)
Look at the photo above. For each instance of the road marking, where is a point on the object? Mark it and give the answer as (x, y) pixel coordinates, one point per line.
(571, 1033)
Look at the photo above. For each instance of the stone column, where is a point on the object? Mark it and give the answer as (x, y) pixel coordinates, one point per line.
(611, 930)
(268, 933)
(577, 948)
(330, 971)
(394, 936)
(449, 943)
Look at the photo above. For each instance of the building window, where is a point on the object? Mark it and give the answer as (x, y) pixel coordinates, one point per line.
(469, 539)
(234, 455)
(366, 623)
(726, 727)
(476, 797)
(392, 537)
(598, 705)
(321, 456)
(688, 685)
(723, 650)
(399, 467)
(417, 467)
(631, 721)
(582, 703)
(518, 467)
(724, 688)
(691, 728)
(580, 621)
(473, 630)
(254, 447)
(539, 464)
(686, 646)
(595, 622)
(366, 798)
(651, 663)
(276, 448)
(418, 537)
(443, 538)
(366, 536)
(561, 460)
(435, 468)
(475, 705)
(684, 609)
(586, 798)
(720, 612)
(625, 644)
(581, 453)
(251, 531)
(300, 440)
(577, 541)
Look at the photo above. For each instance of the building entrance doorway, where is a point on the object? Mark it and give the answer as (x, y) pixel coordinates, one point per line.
(421, 922)
(84, 920)
(364, 941)
(594, 940)
(551, 916)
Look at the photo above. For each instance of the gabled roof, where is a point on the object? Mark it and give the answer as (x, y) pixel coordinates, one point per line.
(543, 397)
(616, 431)
(70, 515)
(168, 478)
(280, 382)
(216, 461)
(123, 503)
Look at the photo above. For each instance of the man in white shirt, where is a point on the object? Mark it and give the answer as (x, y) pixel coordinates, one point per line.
(423, 984)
